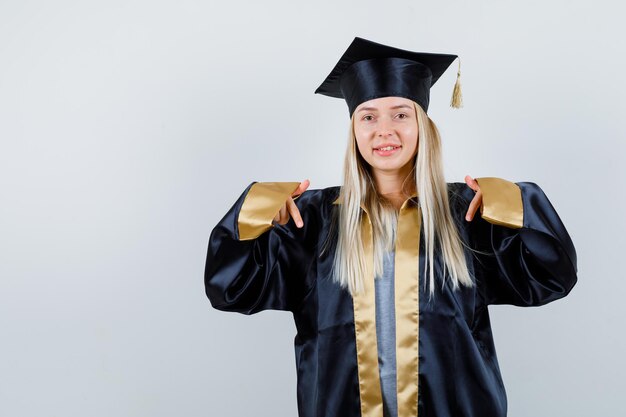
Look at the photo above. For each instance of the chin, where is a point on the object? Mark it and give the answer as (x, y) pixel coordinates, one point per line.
(389, 167)
(394, 165)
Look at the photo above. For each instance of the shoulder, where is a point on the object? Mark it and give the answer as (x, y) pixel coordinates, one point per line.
(321, 197)
(459, 193)
(316, 207)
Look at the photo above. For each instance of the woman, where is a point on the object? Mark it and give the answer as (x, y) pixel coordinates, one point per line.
(389, 276)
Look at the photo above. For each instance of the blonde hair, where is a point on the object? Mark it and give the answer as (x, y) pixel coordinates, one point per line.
(440, 232)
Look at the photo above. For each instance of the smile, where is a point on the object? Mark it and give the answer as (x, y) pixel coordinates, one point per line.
(387, 150)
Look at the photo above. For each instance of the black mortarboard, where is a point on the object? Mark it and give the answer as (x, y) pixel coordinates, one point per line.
(369, 70)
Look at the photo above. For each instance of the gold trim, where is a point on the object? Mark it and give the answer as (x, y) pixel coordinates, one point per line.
(406, 295)
(364, 305)
(407, 308)
(260, 206)
(339, 200)
(502, 202)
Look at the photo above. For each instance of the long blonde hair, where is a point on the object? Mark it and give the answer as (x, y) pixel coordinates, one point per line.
(437, 222)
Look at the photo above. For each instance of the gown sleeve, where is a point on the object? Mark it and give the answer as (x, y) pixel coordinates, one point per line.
(533, 260)
(253, 264)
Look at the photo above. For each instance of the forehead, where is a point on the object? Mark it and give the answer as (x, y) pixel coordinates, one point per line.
(384, 103)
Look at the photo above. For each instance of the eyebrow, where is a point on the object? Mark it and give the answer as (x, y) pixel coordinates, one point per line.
(400, 106)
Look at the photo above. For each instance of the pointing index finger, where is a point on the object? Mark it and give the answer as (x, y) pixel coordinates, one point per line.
(295, 213)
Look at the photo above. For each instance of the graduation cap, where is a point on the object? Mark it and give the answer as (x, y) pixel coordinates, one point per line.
(369, 70)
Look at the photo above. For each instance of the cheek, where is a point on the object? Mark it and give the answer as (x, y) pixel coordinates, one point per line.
(362, 147)
(411, 137)
(361, 140)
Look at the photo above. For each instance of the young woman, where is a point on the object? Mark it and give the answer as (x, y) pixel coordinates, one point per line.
(389, 276)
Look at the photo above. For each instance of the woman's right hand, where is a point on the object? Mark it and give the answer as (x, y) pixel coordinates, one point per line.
(289, 209)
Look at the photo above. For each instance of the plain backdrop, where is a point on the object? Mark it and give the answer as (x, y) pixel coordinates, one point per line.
(129, 128)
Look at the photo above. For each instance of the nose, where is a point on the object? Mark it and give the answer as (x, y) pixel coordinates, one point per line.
(384, 128)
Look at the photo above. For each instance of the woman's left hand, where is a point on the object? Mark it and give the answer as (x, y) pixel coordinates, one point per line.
(478, 198)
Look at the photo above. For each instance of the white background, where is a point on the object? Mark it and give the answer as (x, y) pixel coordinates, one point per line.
(129, 128)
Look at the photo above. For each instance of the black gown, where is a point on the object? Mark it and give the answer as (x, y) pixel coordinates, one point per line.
(446, 359)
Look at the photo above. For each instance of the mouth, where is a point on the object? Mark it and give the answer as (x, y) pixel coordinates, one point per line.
(387, 150)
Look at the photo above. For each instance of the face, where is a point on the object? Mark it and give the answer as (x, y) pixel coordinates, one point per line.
(389, 123)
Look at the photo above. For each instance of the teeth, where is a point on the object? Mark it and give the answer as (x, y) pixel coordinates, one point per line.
(388, 148)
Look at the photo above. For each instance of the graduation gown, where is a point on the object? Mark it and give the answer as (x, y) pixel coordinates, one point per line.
(446, 359)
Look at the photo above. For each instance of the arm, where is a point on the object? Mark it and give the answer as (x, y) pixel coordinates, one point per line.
(253, 264)
(534, 259)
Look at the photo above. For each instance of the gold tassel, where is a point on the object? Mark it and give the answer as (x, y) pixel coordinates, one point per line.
(457, 97)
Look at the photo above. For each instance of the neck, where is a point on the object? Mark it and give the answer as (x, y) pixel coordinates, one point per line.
(390, 185)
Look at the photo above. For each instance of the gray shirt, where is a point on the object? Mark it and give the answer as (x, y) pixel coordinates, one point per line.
(386, 335)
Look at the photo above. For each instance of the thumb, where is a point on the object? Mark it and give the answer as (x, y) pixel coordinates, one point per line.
(301, 188)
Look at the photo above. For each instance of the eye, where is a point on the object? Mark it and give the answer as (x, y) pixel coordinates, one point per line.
(404, 115)
(366, 117)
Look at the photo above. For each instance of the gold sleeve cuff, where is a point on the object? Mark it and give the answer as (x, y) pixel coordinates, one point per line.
(502, 202)
(260, 206)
